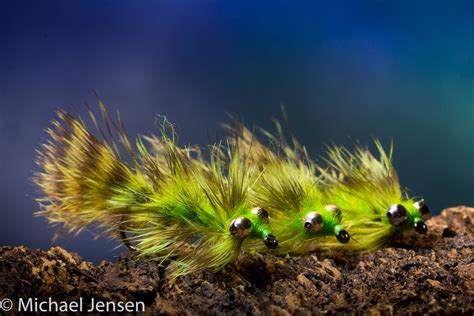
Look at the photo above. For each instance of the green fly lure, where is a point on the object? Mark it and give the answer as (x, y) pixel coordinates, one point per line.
(368, 190)
(165, 203)
(303, 217)
(168, 202)
(354, 190)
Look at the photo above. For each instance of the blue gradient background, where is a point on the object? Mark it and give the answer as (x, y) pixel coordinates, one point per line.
(345, 70)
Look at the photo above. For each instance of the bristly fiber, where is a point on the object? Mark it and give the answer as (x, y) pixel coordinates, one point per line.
(171, 202)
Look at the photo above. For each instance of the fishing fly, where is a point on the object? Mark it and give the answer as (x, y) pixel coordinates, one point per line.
(303, 217)
(368, 189)
(167, 202)
(172, 203)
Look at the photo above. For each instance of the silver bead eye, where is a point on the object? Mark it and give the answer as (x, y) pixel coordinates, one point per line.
(335, 210)
(262, 213)
(424, 210)
(397, 214)
(240, 227)
(313, 222)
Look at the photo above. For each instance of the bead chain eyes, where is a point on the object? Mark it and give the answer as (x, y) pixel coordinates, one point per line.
(397, 214)
(241, 227)
(262, 213)
(335, 210)
(270, 241)
(423, 208)
(313, 222)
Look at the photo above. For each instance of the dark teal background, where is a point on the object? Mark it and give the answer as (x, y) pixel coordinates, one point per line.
(344, 70)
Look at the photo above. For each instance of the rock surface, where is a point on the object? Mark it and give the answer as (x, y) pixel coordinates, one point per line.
(418, 274)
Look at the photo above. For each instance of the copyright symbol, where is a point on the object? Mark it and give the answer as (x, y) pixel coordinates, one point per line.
(6, 304)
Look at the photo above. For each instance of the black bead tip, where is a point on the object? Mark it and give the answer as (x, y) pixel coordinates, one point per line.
(421, 227)
(343, 236)
(271, 242)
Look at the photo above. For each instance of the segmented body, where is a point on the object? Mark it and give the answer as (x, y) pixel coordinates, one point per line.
(302, 216)
(170, 203)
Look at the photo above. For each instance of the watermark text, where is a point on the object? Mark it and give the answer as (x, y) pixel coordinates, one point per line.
(80, 305)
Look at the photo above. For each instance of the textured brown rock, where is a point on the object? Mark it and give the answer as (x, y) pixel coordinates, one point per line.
(419, 274)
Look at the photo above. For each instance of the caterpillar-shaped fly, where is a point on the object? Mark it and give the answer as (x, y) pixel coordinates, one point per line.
(164, 201)
(356, 191)
(169, 202)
